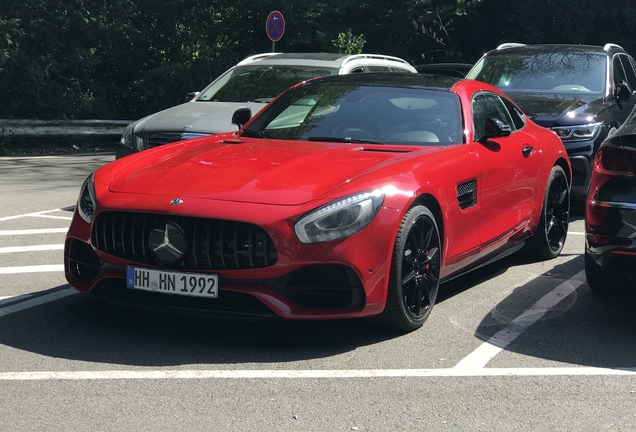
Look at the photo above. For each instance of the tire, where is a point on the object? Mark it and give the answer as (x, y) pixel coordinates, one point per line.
(415, 270)
(595, 278)
(552, 230)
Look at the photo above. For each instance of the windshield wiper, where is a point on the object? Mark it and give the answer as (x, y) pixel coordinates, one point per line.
(342, 139)
(252, 133)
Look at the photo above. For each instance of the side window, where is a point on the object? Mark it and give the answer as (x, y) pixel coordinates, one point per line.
(486, 105)
(378, 69)
(619, 73)
(357, 70)
(518, 119)
(399, 70)
(629, 71)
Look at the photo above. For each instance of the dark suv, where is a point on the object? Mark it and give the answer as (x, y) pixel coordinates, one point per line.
(580, 92)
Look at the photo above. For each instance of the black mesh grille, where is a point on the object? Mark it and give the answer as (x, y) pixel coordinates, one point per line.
(467, 194)
(212, 244)
(157, 139)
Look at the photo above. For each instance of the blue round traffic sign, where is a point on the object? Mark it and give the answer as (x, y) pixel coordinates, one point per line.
(275, 26)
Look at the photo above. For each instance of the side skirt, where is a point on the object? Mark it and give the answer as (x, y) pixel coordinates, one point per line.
(517, 247)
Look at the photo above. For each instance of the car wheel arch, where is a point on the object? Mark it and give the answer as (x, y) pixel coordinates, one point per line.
(434, 206)
(566, 167)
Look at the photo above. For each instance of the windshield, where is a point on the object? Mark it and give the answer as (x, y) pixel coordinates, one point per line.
(350, 113)
(554, 73)
(259, 83)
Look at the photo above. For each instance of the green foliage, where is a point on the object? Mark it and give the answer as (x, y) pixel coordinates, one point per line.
(123, 59)
(348, 43)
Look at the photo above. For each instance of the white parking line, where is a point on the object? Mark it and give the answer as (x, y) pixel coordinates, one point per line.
(308, 374)
(32, 269)
(13, 299)
(37, 301)
(33, 231)
(51, 217)
(493, 346)
(6, 218)
(14, 249)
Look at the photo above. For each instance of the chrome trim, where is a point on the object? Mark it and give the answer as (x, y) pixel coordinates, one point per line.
(631, 207)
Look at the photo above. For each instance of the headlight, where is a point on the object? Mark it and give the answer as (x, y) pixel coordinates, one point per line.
(86, 203)
(127, 137)
(340, 218)
(574, 133)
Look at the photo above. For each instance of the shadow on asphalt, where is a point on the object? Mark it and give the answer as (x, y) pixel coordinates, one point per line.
(82, 328)
(580, 330)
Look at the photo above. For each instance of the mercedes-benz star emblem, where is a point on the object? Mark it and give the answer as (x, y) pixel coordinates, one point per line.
(176, 201)
(168, 242)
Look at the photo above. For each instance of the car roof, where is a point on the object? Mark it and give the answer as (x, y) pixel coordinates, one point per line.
(382, 79)
(503, 49)
(318, 59)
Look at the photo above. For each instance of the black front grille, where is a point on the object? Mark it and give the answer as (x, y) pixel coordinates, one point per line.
(157, 139)
(212, 244)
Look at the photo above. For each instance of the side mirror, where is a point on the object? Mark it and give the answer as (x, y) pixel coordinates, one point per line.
(623, 92)
(495, 128)
(241, 116)
(191, 96)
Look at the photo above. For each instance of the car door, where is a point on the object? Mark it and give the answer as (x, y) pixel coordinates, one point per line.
(510, 166)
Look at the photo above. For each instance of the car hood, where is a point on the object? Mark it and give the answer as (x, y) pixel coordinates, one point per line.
(559, 110)
(196, 118)
(253, 170)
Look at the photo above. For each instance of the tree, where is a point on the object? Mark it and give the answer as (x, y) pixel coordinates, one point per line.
(348, 43)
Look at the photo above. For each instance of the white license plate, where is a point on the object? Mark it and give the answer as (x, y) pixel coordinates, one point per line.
(169, 282)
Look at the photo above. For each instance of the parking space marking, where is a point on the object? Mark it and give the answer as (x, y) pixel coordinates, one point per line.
(493, 346)
(6, 218)
(32, 269)
(36, 301)
(35, 248)
(51, 217)
(13, 299)
(33, 231)
(308, 374)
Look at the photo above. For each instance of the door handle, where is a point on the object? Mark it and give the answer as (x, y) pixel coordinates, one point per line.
(527, 151)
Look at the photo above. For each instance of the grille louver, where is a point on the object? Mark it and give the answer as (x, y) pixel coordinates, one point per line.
(212, 244)
(467, 194)
(157, 139)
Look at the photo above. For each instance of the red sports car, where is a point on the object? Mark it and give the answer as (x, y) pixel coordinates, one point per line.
(348, 196)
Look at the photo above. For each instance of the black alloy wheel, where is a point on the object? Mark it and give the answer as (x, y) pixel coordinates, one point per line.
(552, 231)
(557, 212)
(415, 272)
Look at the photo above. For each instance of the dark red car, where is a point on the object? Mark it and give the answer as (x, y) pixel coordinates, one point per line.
(610, 240)
(348, 196)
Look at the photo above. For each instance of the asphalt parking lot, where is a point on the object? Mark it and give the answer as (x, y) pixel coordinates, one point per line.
(513, 346)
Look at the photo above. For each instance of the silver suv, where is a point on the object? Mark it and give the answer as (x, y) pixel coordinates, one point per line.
(252, 83)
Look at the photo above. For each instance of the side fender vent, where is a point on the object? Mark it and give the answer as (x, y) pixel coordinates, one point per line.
(467, 194)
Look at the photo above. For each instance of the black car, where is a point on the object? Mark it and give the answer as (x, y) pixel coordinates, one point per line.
(458, 70)
(578, 91)
(610, 226)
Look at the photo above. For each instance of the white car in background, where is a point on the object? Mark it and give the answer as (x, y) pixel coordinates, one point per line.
(252, 83)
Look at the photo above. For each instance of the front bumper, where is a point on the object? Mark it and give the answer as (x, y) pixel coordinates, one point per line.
(610, 240)
(581, 154)
(339, 279)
